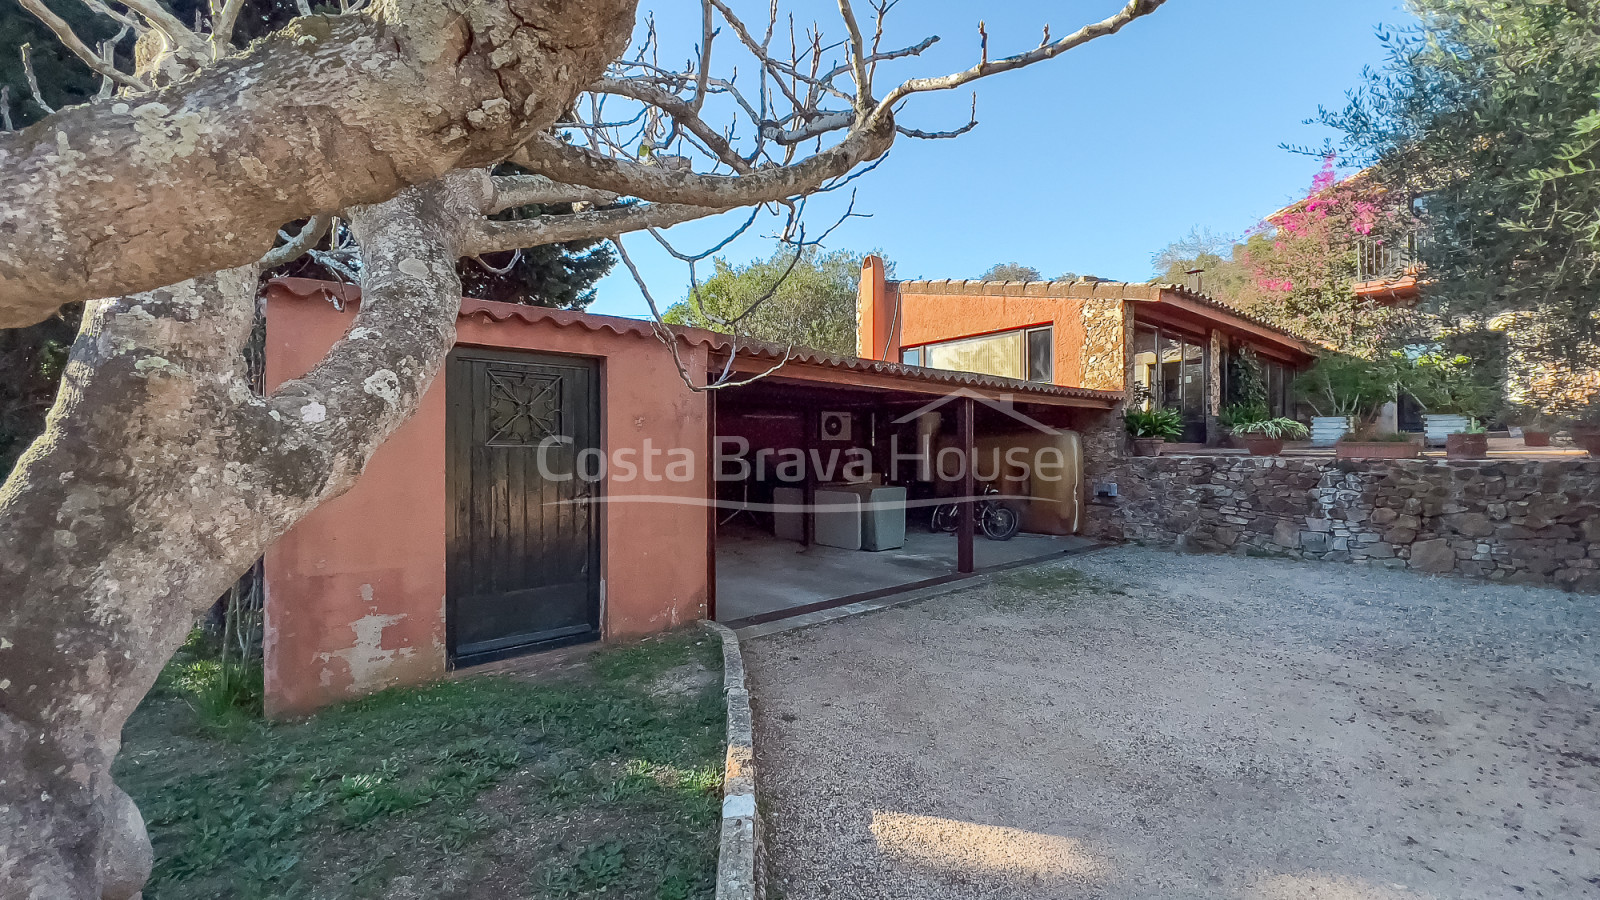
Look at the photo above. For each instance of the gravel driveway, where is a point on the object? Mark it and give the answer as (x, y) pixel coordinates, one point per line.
(1143, 725)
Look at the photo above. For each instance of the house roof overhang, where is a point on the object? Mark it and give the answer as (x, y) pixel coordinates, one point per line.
(875, 375)
(755, 357)
(1178, 306)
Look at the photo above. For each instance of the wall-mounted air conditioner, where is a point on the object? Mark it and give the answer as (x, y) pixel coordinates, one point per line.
(835, 426)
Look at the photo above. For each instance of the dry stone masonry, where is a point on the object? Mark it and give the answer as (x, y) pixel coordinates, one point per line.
(1513, 521)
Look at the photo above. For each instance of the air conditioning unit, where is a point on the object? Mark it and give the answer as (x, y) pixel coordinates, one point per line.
(835, 426)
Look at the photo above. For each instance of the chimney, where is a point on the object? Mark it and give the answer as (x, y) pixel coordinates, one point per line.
(874, 314)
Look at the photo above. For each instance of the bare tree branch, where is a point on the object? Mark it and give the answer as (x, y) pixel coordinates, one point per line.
(577, 165)
(497, 237)
(683, 112)
(512, 191)
(708, 33)
(293, 248)
(181, 36)
(858, 59)
(1134, 10)
(33, 79)
(70, 40)
(223, 22)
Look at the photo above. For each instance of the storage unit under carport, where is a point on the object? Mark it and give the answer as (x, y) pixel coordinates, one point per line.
(445, 549)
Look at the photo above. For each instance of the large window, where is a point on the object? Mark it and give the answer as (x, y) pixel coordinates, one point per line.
(1169, 372)
(1027, 353)
(1253, 376)
(1277, 376)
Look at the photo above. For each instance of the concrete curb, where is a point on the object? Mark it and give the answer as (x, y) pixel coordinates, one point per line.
(738, 862)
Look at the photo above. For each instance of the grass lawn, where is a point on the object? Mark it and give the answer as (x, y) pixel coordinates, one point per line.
(602, 779)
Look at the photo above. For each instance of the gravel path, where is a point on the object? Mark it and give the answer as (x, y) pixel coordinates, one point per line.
(1143, 725)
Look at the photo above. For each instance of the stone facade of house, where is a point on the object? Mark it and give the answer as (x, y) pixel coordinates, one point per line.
(1511, 521)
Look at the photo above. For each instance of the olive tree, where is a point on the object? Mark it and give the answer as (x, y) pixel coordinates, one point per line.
(161, 475)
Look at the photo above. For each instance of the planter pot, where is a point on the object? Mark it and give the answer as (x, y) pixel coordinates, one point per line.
(1588, 437)
(1328, 430)
(1377, 450)
(1148, 446)
(1535, 438)
(1466, 446)
(1436, 428)
(1260, 446)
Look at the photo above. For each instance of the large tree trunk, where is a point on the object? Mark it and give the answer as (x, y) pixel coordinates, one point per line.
(130, 193)
(159, 480)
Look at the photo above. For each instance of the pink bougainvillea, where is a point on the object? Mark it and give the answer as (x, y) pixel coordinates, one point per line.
(1304, 259)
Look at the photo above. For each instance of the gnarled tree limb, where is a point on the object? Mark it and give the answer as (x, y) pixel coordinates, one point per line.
(134, 192)
(160, 479)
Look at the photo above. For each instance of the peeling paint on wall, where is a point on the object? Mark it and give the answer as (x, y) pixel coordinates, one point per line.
(366, 660)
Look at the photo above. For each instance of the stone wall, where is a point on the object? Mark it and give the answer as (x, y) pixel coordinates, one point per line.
(1514, 521)
(1107, 332)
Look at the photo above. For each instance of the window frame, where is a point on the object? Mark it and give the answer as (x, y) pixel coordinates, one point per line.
(1025, 333)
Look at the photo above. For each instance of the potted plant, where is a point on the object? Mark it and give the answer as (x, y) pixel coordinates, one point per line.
(1586, 428)
(1367, 444)
(1235, 415)
(1266, 437)
(1342, 390)
(1537, 427)
(1471, 442)
(1152, 428)
(1451, 393)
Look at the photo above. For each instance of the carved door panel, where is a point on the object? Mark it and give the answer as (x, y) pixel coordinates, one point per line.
(523, 536)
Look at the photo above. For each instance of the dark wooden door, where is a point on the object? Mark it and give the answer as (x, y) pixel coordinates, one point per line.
(523, 533)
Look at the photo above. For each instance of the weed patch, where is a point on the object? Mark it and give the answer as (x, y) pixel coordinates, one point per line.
(1046, 587)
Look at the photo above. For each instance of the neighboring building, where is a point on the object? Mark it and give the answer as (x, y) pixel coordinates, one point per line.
(1158, 344)
(1389, 271)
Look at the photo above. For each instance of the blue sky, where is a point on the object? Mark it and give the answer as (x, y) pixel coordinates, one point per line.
(1089, 163)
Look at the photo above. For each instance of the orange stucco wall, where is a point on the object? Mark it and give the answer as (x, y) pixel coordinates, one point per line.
(356, 592)
(926, 318)
(895, 315)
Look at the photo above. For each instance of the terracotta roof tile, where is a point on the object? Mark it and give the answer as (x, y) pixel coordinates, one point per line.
(503, 312)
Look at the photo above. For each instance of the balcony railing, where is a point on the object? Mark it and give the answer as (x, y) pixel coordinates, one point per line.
(1388, 260)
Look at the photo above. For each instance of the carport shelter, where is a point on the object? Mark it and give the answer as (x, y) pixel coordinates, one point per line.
(560, 483)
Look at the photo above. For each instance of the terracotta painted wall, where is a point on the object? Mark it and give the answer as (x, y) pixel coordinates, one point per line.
(656, 554)
(356, 592)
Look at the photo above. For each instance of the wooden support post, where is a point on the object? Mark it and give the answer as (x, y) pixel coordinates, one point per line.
(969, 486)
(809, 432)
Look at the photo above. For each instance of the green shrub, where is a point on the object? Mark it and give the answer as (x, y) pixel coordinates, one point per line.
(1279, 429)
(1236, 414)
(1451, 385)
(1340, 385)
(1166, 424)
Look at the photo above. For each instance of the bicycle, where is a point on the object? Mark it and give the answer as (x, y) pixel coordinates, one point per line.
(998, 521)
